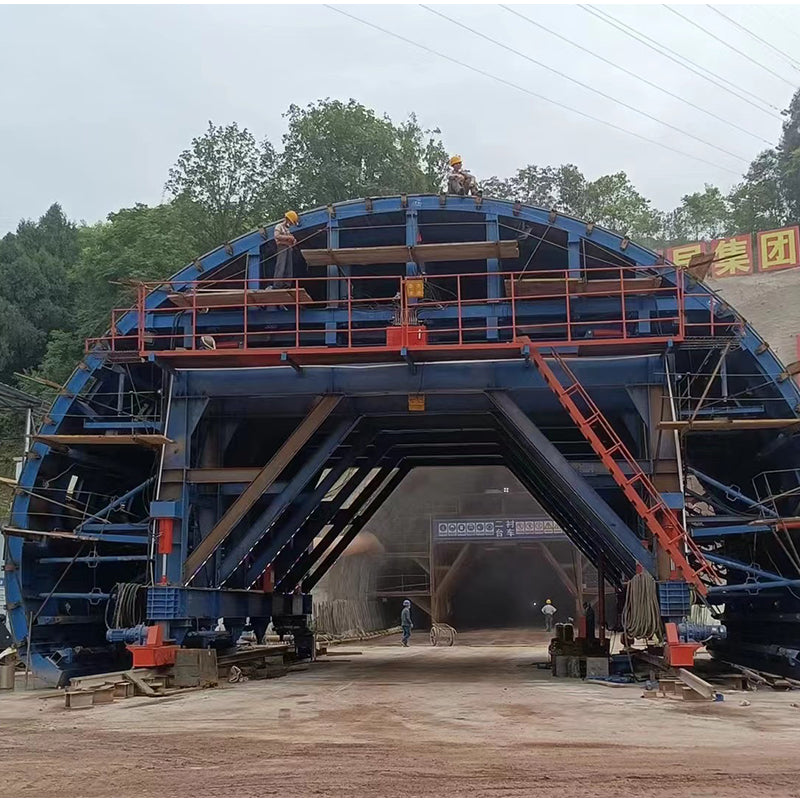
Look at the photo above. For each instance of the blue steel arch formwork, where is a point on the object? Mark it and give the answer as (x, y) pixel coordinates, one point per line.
(223, 479)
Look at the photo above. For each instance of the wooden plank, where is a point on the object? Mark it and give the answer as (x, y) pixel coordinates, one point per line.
(699, 265)
(265, 478)
(527, 287)
(400, 254)
(727, 424)
(68, 439)
(542, 286)
(9, 530)
(99, 679)
(236, 297)
(222, 474)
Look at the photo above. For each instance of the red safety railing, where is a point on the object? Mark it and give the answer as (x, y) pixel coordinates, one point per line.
(374, 314)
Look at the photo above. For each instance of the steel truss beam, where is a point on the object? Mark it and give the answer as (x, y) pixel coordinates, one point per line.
(270, 473)
(305, 563)
(245, 543)
(357, 522)
(553, 469)
(283, 531)
(299, 541)
(386, 442)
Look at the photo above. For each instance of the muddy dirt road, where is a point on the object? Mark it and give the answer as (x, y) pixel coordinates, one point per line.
(467, 720)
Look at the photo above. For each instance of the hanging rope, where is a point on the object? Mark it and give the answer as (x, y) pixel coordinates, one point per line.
(641, 615)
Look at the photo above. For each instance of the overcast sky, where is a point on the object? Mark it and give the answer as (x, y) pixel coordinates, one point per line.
(97, 101)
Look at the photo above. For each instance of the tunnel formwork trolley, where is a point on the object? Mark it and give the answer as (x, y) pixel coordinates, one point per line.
(218, 449)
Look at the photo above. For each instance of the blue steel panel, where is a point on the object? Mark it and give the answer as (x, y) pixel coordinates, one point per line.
(396, 378)
(178, 603)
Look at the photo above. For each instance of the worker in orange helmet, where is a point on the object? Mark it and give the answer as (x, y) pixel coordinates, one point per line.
(459, 181)
(284, 239)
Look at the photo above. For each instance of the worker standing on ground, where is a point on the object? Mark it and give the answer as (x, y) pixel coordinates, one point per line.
(405, 622)
(459, 181)
(284, 266)
(549, 611)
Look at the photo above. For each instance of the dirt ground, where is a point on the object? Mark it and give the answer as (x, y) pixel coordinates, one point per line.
(475, 719)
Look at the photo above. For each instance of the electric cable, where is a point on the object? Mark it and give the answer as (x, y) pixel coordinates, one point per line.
(128, 610)
(587, 86)
(755, 36)
(728, 45)
(527, 91)
(672, 55)
(636, 75)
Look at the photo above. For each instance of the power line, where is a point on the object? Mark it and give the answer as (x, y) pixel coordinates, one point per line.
(526, 90)
(682, 61)
(755, 36)
(587, 86)
(635, 75)
(729, 46)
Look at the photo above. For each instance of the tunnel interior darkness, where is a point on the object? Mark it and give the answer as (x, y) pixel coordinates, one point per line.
(500, 586)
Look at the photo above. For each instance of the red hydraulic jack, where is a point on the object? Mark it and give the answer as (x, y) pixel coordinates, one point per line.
(676, 652)
(153, 653)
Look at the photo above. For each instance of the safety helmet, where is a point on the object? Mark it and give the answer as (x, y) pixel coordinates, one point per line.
(292, 217)
(455, 160)
(548, 600)
(406, 602)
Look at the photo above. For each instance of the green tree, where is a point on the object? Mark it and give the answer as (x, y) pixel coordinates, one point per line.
(139, 243)
(336, 151)
(789, 158)
(757, 203)
(224, 182)
(613, 202)
(701, 215)
(34, 290)
(546, 187)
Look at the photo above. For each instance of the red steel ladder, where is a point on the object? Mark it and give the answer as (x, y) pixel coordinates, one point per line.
(660, 519)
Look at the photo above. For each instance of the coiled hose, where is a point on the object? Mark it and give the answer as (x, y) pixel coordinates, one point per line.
(641, 615)
(129, 607)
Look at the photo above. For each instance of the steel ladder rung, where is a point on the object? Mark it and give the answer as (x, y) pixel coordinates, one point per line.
(570, 390)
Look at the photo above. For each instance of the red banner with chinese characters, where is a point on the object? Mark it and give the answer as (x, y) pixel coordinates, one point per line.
(734, 256)
(779, 249)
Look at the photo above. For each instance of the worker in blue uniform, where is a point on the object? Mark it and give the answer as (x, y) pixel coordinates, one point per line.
(405, 622)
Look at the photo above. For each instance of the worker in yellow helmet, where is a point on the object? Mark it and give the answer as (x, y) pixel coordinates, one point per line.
(284, 267)
(459, 181)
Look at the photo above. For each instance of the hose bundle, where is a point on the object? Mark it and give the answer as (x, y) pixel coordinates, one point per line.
(129, 608)
(641, 615)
